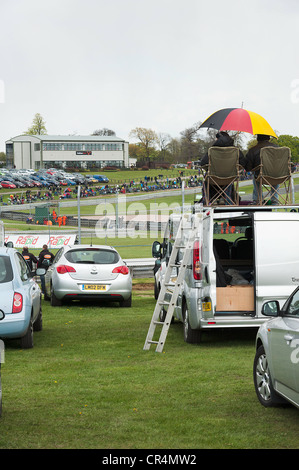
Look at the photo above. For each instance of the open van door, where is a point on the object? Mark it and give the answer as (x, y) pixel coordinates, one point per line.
(208, 260)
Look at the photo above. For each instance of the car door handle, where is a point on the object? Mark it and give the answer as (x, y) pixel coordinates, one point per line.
(288, 337)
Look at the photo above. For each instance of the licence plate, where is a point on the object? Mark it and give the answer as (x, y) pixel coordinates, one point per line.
(206, 306)
(93, 287)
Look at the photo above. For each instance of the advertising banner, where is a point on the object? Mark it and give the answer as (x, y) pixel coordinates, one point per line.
(37, 241)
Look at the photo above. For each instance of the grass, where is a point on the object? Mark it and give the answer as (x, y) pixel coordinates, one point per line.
(87, 383)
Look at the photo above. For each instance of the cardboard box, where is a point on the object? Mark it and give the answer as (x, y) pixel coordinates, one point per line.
(235, 299)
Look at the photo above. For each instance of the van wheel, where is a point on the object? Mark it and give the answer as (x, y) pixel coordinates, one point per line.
(190, 335)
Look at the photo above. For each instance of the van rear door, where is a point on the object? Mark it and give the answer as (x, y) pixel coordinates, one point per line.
(208, 259)
(277, 255)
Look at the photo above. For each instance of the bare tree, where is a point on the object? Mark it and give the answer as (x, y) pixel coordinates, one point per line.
(104, 131)
(163, 141)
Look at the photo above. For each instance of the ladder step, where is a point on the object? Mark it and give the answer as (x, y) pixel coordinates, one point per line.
(158, 322)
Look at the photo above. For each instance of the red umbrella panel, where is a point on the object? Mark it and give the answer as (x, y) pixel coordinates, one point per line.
(238, 119)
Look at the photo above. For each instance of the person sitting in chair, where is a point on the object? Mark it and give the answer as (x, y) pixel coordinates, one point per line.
(253, 160)
(222, 140)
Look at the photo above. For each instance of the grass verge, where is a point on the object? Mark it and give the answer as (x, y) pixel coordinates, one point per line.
(87, 383)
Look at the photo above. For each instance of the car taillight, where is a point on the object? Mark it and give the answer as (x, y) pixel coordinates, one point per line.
(17, 303)
(121, 270)
(64, 268)
(197, 275)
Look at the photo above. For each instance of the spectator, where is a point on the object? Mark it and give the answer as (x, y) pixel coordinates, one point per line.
(29, 257)
(253, 160)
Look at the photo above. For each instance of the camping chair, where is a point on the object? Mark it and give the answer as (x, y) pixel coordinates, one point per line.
(274, 170)
(222, 173)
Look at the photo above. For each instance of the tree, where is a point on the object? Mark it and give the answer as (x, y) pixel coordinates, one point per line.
(147, 139)
(291, 142)
(38, 126)
(163, 141)
(103, 131)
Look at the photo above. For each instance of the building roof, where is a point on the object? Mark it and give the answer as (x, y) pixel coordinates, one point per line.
(72, 138)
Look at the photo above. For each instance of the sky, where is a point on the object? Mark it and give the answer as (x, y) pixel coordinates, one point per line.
(158, 64)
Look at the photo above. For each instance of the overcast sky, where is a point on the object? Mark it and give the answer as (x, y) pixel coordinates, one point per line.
(160, 64)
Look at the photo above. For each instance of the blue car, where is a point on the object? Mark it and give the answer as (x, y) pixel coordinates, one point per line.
(101, 178)
(1, 351)
(20, 298)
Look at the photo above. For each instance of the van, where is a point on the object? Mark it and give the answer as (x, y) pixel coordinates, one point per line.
(243, 258)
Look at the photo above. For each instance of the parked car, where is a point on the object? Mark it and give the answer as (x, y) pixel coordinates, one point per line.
(7, 184)
(20, 298)
(276, 363)
(89, 273)
(101, 178)
(1, 318)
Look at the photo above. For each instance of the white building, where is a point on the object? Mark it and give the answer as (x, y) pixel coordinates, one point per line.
(66, 151)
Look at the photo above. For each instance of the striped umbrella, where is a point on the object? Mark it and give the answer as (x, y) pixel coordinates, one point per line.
(238, 119)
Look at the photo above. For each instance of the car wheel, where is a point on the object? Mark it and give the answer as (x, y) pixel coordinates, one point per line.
(38, 324)
(190, 335)
(27, 340)
(262, 380)
(54, 301)
(126, 303)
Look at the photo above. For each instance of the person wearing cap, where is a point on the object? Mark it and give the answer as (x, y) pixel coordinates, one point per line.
(253, 160)
(29, 257)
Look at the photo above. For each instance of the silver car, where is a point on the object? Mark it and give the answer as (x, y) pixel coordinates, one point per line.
(84, 272)
(276, 363)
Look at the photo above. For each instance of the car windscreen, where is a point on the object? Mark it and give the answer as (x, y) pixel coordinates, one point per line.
(6, 273)
(92, 256)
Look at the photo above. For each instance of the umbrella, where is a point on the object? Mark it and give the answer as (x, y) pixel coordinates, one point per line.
(238, 119)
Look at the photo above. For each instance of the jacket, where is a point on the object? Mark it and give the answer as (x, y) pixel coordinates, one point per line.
(30, 258)
(253, 158)
(45, 258)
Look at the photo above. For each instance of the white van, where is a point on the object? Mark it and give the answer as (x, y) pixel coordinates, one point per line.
(247, 257)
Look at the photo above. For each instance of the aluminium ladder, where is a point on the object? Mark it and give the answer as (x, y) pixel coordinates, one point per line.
(190, 224)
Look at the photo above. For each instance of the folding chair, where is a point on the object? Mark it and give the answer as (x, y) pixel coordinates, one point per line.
(274, 170)
(222, 173)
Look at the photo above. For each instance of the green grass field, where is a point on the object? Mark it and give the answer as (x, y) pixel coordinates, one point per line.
(87, 383)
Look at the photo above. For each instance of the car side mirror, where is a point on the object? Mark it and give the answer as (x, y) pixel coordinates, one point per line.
(156, 249)
(271, 308)
(2, 315)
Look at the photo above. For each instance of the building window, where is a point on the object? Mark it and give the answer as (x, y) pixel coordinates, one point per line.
(52, 146)
(36, 147)
(73, 146)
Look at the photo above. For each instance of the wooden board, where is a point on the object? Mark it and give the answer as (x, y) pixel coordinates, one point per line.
(235, 298)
